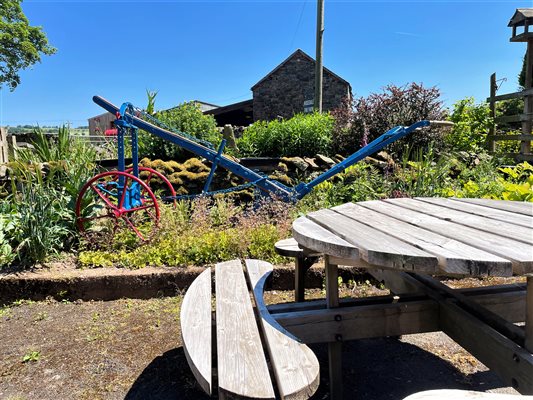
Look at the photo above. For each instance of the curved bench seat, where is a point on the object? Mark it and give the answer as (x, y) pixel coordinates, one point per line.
(295, 366)
(242, 369)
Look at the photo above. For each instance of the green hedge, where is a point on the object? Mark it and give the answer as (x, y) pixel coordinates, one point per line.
(302, 135)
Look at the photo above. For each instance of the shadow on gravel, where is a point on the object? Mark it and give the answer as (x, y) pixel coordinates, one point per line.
(374, 369)
(166, 377)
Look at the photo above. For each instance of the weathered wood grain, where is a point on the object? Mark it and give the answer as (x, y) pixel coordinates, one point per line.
(335, 342)
(362, 321)
(376, 247)
(242, 367)
(295, 366)
(196, 323)
(314, 237)
(520, 254)
(518, 207)
(507, 301)
(454, 257)
(476, 209)
(288, 248)
(480, 223)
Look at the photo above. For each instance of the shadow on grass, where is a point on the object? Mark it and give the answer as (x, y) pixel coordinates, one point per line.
(373, 369)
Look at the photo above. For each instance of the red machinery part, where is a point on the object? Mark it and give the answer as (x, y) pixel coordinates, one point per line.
(102, 192)
(152, 173)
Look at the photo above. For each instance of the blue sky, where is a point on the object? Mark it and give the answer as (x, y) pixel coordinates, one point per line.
(215, 51)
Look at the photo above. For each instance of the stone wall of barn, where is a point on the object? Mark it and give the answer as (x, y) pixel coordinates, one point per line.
(282, 94)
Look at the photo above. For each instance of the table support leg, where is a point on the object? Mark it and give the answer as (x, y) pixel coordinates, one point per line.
(334, 348)
(529, 314)
(299, 274)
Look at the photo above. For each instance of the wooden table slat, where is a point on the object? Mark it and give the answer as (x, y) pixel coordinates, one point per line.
(312, 236)
(476, 209)
(520, 207)
(376, 247)
(454, 257)
(520, 254)
(481, 223)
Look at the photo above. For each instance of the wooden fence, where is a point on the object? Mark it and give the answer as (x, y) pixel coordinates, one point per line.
(526, 119)
(4, 146)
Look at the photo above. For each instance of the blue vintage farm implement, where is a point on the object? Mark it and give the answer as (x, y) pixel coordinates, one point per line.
(125, 200)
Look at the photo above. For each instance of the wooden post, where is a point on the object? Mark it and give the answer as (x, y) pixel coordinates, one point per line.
(334, 348)
(525, 146)
(318, 62)
(492, 107)
(228, 134)
(14, 147)
(529, 314)
(4, 148)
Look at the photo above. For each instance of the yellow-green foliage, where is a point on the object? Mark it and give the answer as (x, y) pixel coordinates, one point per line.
(201, 233)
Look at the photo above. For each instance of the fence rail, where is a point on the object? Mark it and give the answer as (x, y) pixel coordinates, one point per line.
(526, 119)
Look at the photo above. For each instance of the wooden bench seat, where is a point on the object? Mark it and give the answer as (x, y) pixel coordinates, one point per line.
(451, 394)
(302, 262)
(242, 367)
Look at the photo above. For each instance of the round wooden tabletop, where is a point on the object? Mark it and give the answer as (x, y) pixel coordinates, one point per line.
(426, 235)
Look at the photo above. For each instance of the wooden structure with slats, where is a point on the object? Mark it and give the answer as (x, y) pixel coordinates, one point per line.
(522, 19)
(241, 361)
(403, 241)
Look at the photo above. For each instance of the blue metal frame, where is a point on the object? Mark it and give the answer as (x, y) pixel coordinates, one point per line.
(127, 119)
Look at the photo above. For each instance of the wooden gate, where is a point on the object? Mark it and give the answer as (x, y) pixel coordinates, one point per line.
(526, 119)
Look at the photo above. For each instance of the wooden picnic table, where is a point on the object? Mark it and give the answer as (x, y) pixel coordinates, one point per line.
(404, 241)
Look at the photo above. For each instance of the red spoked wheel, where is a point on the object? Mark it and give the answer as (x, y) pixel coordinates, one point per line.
(113, 203)
(165, 190)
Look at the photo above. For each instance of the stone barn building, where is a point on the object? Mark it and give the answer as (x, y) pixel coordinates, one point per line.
(287, 90)
(290, 87)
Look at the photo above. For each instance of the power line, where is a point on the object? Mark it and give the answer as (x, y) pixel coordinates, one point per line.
(298, 25)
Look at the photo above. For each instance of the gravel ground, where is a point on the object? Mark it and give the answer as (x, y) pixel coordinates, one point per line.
(132, 349)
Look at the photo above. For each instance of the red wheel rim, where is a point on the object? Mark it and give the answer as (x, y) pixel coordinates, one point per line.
(101, 212)
(152, 173)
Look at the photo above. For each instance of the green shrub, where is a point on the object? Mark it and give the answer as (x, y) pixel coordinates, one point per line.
(37, 218)
(471, 125)
(422, 174)
(187, 118)
(202, 233)
(302, 135)
(39, 225)
(359, 182)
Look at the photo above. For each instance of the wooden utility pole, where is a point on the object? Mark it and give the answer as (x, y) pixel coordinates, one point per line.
(492, 107)
(318, 63)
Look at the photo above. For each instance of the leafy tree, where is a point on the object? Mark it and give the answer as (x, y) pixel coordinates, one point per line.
(21, 45)
(186, 118)
(471, 124)
(522, 74)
